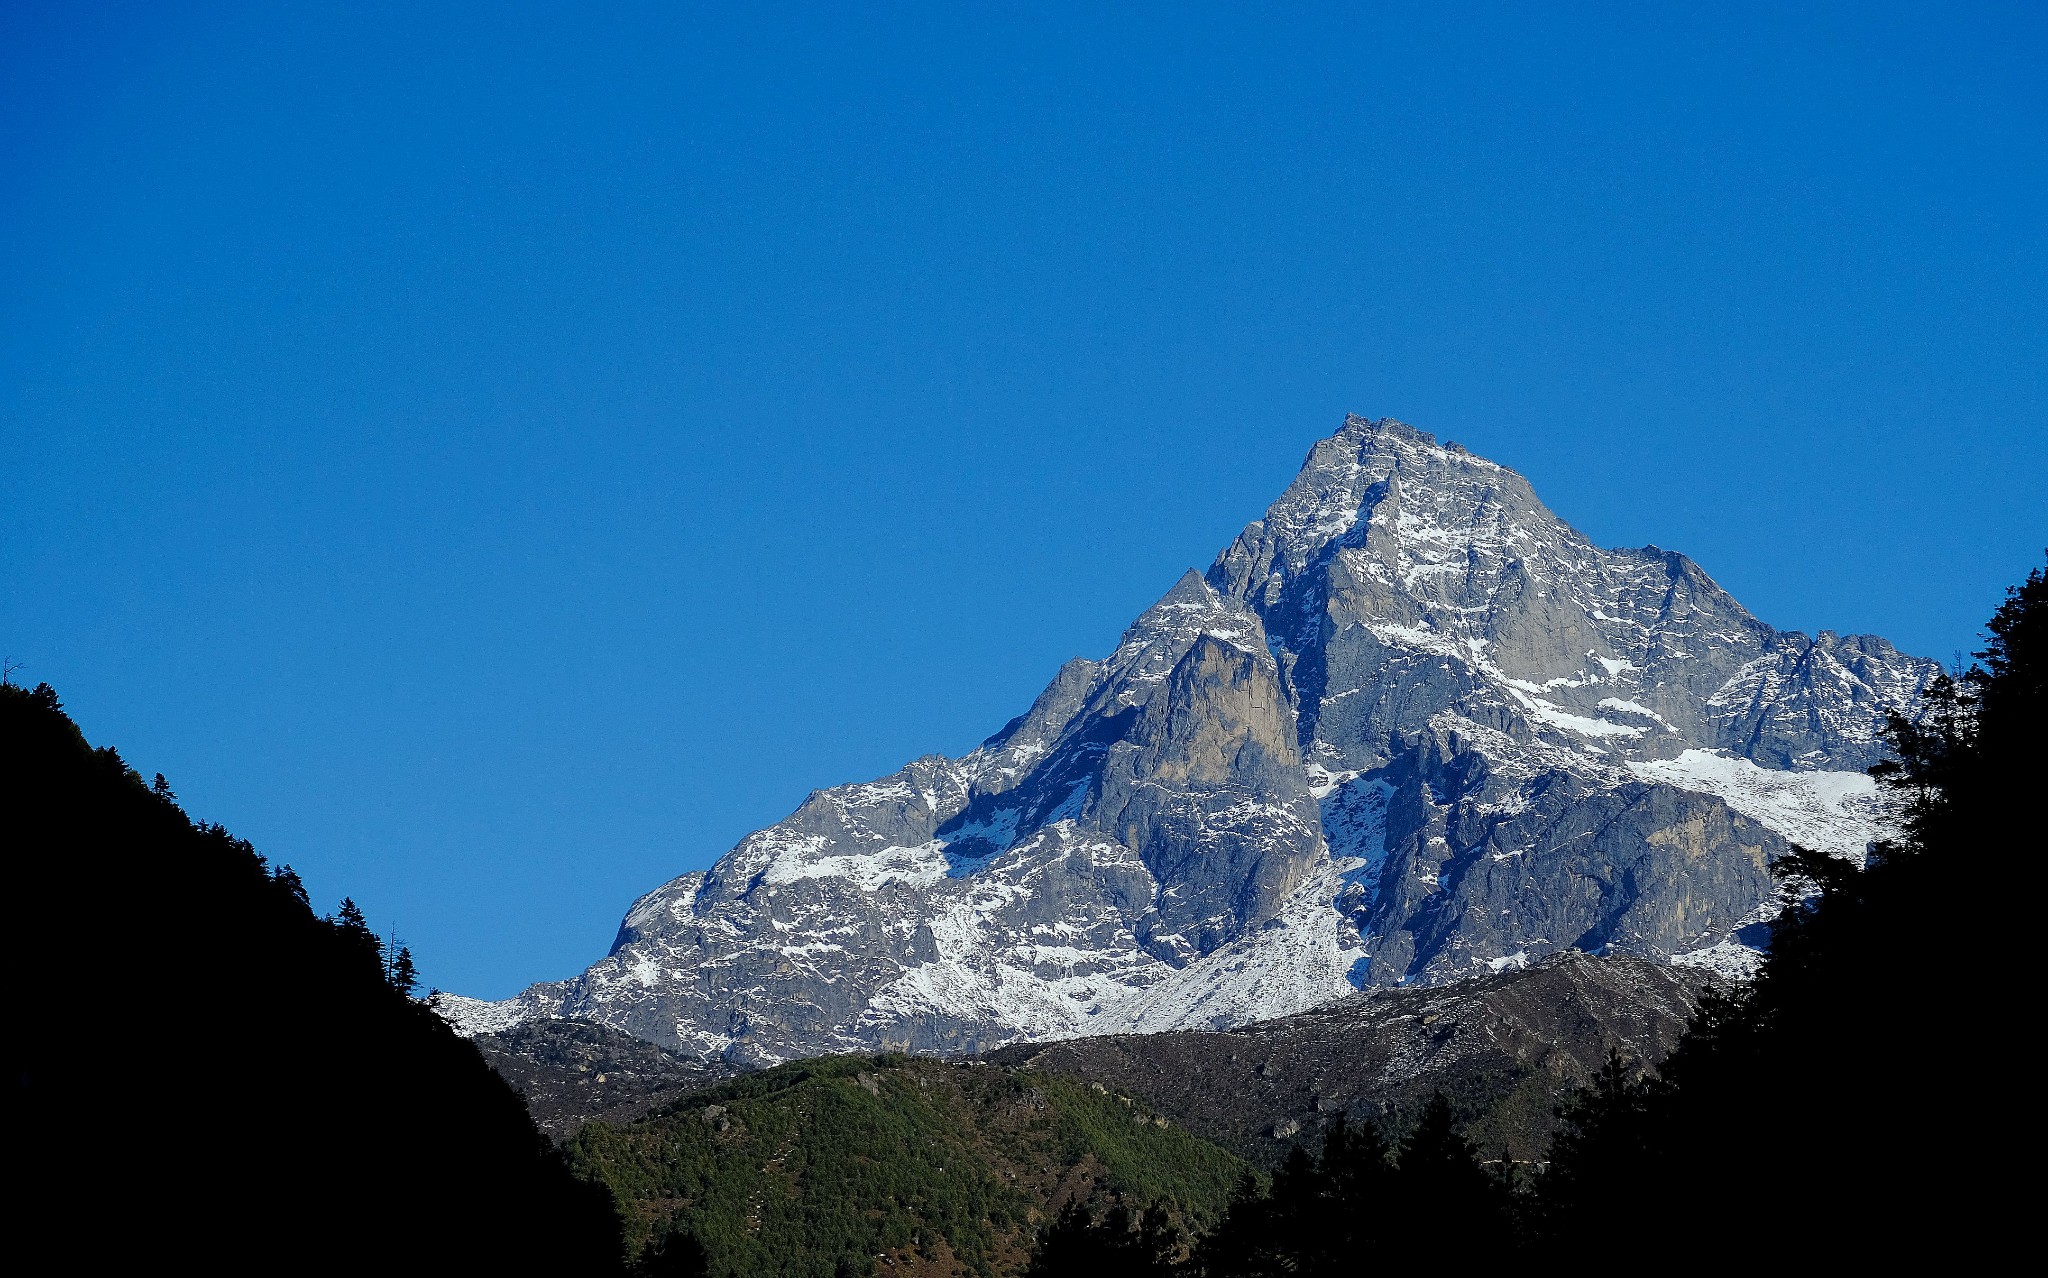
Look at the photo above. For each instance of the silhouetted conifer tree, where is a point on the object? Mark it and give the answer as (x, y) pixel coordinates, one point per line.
(1077, 1245)
(288, 879)
(349, 918)
(1599, 1155)
(1068, 1246)
(403, 974)
(675, 1254)
(1242, 1244)
(1440, 1190)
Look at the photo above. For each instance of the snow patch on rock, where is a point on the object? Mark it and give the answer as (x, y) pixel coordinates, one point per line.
(1839, 813)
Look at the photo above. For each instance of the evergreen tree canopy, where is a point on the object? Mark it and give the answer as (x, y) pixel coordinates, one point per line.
(1077, 1245)
(894, 1162)
(675, 1254)
(1358, 1199)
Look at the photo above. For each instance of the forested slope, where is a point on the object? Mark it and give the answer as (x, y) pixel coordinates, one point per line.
(910, 1165)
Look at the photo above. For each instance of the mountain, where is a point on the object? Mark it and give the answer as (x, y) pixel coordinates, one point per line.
(1410, 727)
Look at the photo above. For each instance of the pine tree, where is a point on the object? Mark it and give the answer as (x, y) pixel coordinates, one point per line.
(288, 879)
(675, 1254)
(1598, 1156)
(1441, 1190)
(1434, 1157)
(349, 921)
(1156, 1245)
(1357, 1181)
(1069, 1247)
(402, 973)
(1241, 1244)
(1297, 1196)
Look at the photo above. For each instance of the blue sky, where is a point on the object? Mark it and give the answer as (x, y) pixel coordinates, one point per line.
(495, 457)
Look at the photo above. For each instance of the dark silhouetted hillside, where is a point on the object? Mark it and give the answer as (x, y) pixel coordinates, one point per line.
(209, 1076)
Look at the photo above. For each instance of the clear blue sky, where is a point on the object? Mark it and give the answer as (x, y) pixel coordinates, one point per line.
(495, 457)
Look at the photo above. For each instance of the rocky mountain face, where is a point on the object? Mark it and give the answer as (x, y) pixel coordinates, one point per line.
(1409, 728)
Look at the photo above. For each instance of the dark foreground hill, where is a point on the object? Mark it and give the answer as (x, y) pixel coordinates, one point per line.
(1504, 1049)
(893, 1164)
(206, 1075)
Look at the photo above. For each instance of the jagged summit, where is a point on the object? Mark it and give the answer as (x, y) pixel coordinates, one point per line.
(1409, 726)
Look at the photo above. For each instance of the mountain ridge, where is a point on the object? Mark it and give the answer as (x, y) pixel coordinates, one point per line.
(1409, 726)
(1506, 1050)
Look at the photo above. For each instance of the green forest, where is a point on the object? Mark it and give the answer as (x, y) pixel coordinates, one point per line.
(814, 1167)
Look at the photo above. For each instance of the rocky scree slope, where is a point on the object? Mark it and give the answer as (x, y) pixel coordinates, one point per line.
(1505, 1049)
(573, 1072)
(1409, 728)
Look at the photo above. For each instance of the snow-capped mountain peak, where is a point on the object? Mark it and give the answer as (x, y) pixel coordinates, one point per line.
(1409, 726)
